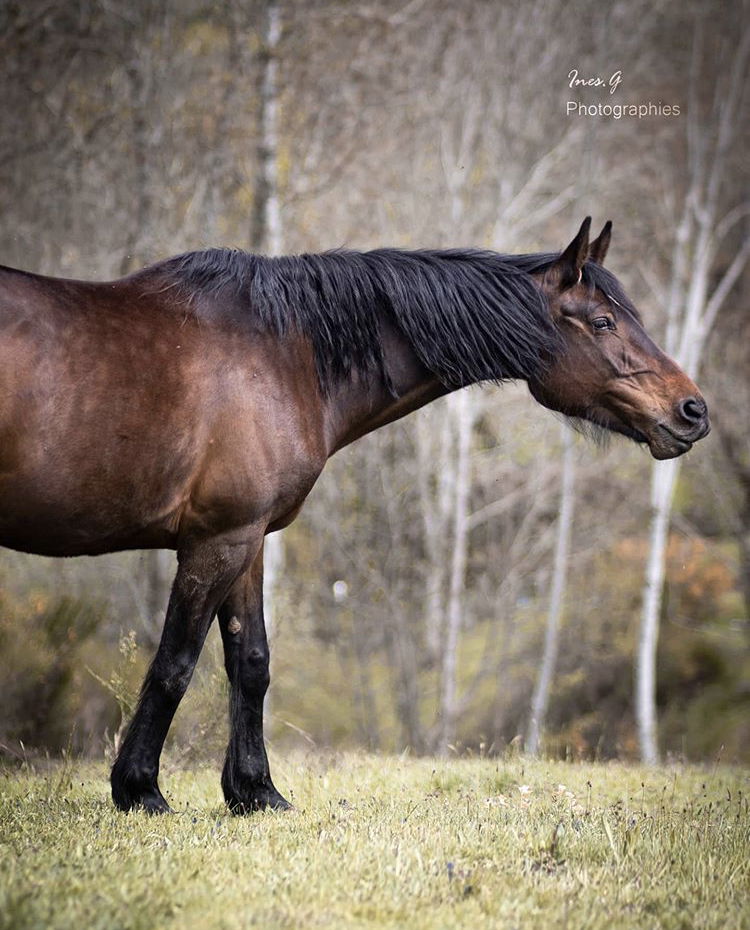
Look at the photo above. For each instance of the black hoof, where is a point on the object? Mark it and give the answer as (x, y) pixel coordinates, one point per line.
(258, 802)
(130, 794)
(250, 798)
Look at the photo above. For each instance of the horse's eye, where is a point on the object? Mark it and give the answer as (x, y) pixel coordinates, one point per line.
(602, 322)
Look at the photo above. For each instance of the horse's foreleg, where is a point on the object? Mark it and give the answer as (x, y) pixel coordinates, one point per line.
(205, 574)
(246, 778)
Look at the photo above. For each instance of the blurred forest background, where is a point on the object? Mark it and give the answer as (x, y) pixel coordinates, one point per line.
(475, 576)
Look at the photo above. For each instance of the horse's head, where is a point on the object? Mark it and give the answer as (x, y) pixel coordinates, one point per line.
(609, 371)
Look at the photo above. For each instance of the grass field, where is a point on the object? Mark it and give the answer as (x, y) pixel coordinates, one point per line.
(384, 842)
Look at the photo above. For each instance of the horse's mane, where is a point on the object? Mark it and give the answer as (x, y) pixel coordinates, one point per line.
(469, 315)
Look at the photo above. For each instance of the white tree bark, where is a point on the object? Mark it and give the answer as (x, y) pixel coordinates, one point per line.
(270, 130)
(267, 236)
(695, 252)
(540, 698)
(663, 481)
(462, 407)
(434, 442)
(266, 233)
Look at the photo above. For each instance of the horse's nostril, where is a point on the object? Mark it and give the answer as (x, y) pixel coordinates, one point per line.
(692, 410)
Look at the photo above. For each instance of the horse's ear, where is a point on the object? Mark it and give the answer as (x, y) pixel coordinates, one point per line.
(600, 245)
(567, 269)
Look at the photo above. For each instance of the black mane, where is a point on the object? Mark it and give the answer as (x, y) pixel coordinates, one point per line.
(469, 315)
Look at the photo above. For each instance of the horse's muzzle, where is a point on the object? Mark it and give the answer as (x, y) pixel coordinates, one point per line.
(667, 441)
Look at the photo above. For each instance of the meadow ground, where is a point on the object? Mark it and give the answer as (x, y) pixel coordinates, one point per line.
(383, 842)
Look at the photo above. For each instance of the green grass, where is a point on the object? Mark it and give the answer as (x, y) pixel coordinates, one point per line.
(381, 842)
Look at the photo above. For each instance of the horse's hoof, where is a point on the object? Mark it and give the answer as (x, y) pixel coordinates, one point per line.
(258, 800)
(150, 799)
(155, 804)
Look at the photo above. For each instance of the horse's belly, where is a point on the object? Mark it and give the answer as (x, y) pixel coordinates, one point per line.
(45, 519)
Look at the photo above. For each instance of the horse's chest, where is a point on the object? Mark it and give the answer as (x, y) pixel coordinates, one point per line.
(257, 469)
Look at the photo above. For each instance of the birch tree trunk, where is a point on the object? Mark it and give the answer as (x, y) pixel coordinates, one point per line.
(433, 445)
(663, 481)
(266, 232)
(266, 235)
(540, 699)
(158, 564)
(463, 409)
(454, 479)
(697, 242)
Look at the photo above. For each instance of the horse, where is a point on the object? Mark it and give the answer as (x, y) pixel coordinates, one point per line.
(193, 404)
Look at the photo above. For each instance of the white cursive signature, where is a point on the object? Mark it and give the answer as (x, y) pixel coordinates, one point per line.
(613, 83)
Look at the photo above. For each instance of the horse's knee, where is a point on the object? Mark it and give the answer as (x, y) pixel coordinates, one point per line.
(254, 674)
(173, 676)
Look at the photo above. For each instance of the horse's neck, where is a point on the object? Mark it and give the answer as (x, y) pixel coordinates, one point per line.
(359, 406)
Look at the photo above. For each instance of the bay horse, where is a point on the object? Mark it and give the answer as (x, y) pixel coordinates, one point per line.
(192, 406)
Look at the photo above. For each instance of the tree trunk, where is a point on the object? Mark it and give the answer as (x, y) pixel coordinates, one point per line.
(463, 409)
(434, 501)
(696, 248)
(364, 693)
(266, 235)
(540, 699)
(663, 481)
(158, 564)
(404, 671)
(266, 230)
